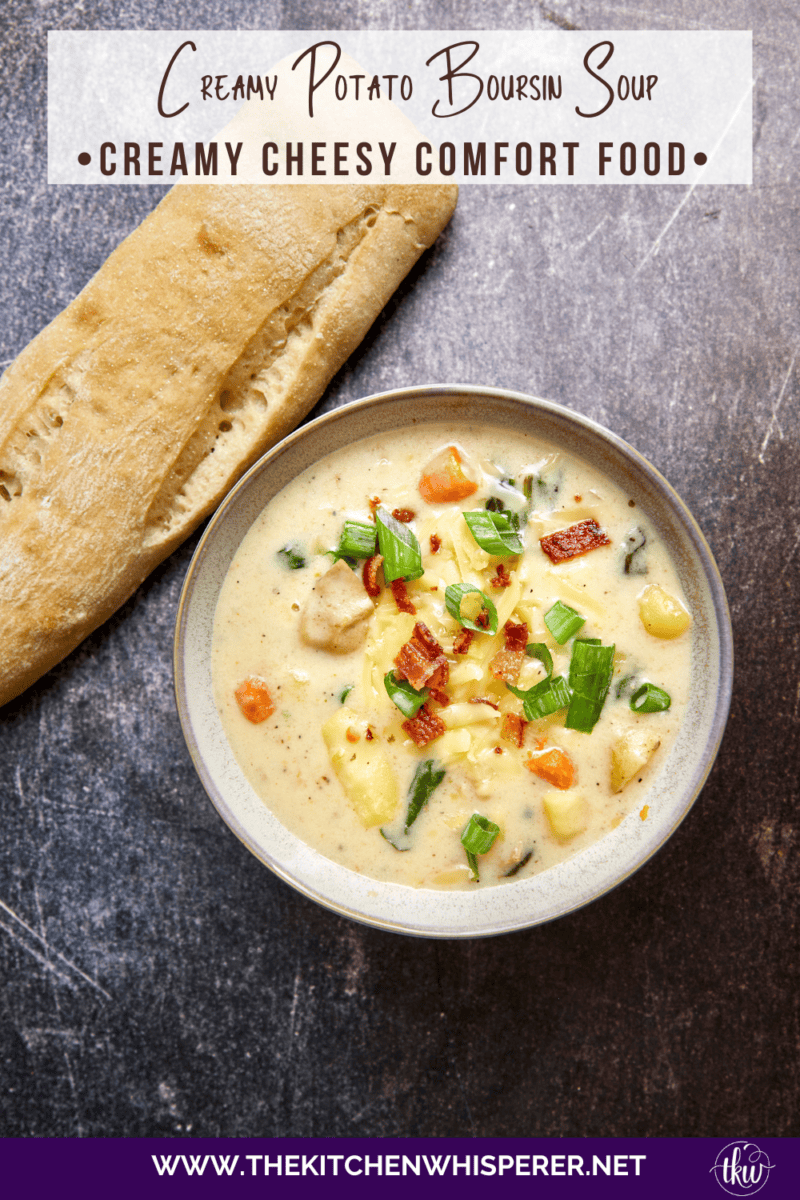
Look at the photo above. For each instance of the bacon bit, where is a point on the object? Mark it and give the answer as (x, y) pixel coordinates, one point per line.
(498, 749)
(555, 767)
(484, 700)
(436, 543)
(439, 696)
(254, 700)
(516, 636)
(507, 664)
(463, 641)
(369, 575)
(352, 735)
(540, 743)
(425, 727)
(502, 579)
(404, 515)
(369, 734)
(401, 598)
(483, 619)
(374, 504)
(513, 729)
(421, 660)
(578, 499)
(574, 541)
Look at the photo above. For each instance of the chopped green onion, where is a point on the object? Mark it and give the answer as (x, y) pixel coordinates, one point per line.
(478, 838)
(649, 699)
(345, 692)
(563, 622)
(407, 698)
(624, 685)
(494, 532)
(544, 698)
(427, 778)
(291, 556)
(590, 672)
(391, 841)
(539, 650)
(518, 866)
(453, 596)
(634, 563)
(402, 557)
(357, 540)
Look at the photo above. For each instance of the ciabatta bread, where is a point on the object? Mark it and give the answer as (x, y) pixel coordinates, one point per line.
(204, 339)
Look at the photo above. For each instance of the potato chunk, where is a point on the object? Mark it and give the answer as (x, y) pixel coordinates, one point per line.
(630, 752)
(361, 767)
(337, 613)
(662, 614)
(567, 814)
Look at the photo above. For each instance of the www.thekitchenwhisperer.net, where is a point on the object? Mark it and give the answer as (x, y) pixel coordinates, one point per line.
(398, 1165)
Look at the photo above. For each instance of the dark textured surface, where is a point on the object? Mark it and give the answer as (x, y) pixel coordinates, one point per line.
(156, 979)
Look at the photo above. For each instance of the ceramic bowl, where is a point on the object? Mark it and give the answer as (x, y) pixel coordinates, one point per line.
(552, 893)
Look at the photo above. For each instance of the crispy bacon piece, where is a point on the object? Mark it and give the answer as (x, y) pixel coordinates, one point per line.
(513, 728)
(421, 660)
(463, 641)
(502, 579)
(425, 727)
(507, 664)
(516, 635)
(254, 700)
(439, 696)
(403, 515)
(483, 618)
(436, 543)
(369, 575)
(374, 504)
(574, 541)
(401, 597)
(484, 700)
(555, 767)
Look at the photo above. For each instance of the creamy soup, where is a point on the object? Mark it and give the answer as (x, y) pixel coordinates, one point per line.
(451, 657)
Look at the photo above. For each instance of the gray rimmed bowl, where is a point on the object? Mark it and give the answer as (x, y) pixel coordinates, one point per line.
(563, 888)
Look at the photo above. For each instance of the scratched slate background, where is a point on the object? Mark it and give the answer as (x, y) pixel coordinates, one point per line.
(156, 979)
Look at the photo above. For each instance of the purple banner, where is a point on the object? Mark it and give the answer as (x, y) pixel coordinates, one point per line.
(592, 1168)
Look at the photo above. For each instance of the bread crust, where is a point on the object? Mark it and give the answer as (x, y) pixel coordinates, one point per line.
(203, 340)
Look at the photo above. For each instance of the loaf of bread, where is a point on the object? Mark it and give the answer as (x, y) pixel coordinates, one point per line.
(204, 339)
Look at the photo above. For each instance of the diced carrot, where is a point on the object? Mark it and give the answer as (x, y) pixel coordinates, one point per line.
(444, 480)
(554, 766)
(254, 700)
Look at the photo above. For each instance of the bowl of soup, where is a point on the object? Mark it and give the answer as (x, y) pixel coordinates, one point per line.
(453, 661)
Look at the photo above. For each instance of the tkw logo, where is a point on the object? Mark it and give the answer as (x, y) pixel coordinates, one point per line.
(742, 1169)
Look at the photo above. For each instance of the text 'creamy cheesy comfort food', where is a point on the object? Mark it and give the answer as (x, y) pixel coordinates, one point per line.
(450, 657)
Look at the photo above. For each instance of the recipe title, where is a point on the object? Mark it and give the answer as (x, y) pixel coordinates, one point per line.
(463, 88)
(400, 107)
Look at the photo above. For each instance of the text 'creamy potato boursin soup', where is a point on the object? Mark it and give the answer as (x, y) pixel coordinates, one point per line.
(450, 657)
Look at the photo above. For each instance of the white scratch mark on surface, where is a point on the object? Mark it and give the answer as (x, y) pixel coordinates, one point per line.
(657, 243)
(70, 1075)
(582, 245)
(788, 559)
(355, 968)
(295, 1000)
(49, 953)
(773, 423)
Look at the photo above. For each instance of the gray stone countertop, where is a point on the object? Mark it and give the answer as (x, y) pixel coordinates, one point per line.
(157, 980)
